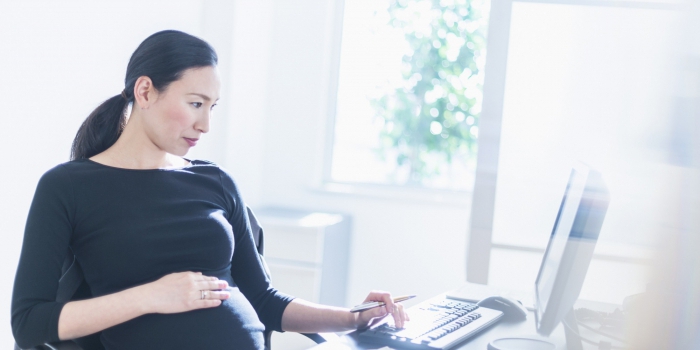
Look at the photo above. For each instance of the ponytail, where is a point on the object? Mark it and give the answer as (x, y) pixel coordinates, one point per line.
(163, 57)
(101, 129)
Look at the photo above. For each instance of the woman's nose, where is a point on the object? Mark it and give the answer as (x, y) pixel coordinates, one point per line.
(203, 123)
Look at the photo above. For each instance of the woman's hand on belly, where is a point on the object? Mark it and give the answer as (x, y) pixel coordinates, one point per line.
(184, 291)
(174, 293)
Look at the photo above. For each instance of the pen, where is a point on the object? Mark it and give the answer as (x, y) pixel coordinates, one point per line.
(373, 304)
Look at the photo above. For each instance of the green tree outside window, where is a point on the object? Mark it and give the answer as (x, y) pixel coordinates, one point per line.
(436, 111)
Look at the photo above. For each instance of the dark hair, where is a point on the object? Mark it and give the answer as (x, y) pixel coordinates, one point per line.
(163, 57)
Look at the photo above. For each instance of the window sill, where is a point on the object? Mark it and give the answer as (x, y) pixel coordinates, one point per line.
(395, 193)
(605, 250)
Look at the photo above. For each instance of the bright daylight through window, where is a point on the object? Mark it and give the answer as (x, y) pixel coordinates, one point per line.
(409, 92)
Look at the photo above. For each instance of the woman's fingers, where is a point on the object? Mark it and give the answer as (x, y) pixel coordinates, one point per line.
(185, 291)
(396, 310)
(214, 295)
(211, 299)
(212, 285)
(208, 291)
(376, 312)
(213, 288)
(399, 316)
(396, 314)
(390, 307)
(378, 295)
(210, 294)
(370, 316)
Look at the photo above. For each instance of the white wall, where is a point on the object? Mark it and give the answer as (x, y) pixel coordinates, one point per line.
(59, 60)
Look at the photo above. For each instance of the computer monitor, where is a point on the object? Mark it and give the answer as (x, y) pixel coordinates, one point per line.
(570, 247)
(566, 260)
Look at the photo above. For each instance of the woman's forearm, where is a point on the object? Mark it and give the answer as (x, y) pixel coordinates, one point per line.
(84, 317)
(306, 317)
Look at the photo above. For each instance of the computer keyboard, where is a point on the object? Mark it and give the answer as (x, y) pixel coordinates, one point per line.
(438, 323)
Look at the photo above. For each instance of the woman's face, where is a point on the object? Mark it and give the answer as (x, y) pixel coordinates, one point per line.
(180, 114)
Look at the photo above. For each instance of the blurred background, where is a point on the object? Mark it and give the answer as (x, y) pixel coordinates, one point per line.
(440, 132)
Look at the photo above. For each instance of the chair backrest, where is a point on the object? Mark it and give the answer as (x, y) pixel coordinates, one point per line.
(257, 231)
(258, 237)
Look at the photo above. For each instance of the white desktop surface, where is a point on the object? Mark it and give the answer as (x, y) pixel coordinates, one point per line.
(480, 341)
(501, 329)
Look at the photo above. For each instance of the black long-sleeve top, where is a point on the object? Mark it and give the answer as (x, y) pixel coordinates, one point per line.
(128, 227)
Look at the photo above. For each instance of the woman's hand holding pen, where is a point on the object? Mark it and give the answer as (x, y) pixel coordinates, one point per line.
(184, 291)
(365, 318)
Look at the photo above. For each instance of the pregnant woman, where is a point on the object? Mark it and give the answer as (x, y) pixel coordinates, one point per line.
(164, 242)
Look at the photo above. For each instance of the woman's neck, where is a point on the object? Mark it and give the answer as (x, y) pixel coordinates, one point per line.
(135, 150)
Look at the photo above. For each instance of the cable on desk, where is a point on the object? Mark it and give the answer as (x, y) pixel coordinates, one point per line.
(615, 319)
(600, 332)
(601, 345)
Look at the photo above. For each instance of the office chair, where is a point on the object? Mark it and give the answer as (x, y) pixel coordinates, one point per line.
(72, 286)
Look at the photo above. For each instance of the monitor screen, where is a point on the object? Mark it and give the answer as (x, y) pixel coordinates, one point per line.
(570, 247)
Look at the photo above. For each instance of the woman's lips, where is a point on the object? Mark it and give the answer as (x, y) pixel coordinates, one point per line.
(191, 142)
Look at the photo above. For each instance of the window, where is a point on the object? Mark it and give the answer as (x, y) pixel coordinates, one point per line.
(409, 93)
(577, 86)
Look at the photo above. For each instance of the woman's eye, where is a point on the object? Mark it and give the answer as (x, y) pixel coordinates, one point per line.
(212, 106)
(197, 104)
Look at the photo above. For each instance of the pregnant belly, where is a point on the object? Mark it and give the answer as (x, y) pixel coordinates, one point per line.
(232, 325)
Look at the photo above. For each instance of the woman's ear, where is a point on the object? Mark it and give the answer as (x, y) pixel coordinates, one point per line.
(144, 92)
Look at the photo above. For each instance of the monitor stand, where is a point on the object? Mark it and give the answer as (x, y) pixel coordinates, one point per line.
(573, 342)
(573, 339)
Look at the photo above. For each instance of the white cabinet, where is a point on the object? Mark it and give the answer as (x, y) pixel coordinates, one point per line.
(307, 254)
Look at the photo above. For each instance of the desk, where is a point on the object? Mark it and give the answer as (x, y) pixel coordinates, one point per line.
(480, 341)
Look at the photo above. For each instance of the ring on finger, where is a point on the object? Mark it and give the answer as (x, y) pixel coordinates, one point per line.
(203, 294)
